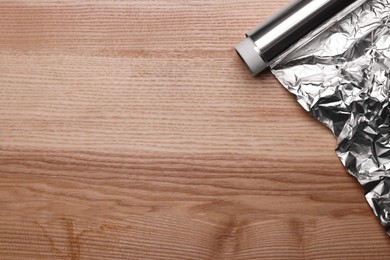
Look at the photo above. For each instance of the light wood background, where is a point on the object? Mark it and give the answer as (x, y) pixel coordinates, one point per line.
(131, 130)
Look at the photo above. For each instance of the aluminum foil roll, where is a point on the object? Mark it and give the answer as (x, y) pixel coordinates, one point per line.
(341, 76)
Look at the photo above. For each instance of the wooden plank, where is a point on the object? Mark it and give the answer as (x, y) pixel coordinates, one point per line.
(131, 129)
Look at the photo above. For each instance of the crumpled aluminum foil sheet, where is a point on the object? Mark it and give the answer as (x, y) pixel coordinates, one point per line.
(341, 77)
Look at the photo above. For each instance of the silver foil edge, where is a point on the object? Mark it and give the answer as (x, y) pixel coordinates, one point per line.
(340, 74)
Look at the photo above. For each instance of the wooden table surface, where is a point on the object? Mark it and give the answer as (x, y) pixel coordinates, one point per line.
(131, 130)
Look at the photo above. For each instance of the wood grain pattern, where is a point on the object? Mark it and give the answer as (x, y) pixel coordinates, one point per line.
(131, 130)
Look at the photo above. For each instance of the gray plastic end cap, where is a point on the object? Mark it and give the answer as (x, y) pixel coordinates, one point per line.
(249, 53)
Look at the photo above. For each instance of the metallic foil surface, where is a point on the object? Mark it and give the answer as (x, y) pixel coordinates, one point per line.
(341, 76)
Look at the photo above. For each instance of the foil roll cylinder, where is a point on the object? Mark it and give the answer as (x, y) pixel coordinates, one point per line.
(341, 76)
(273, 37)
